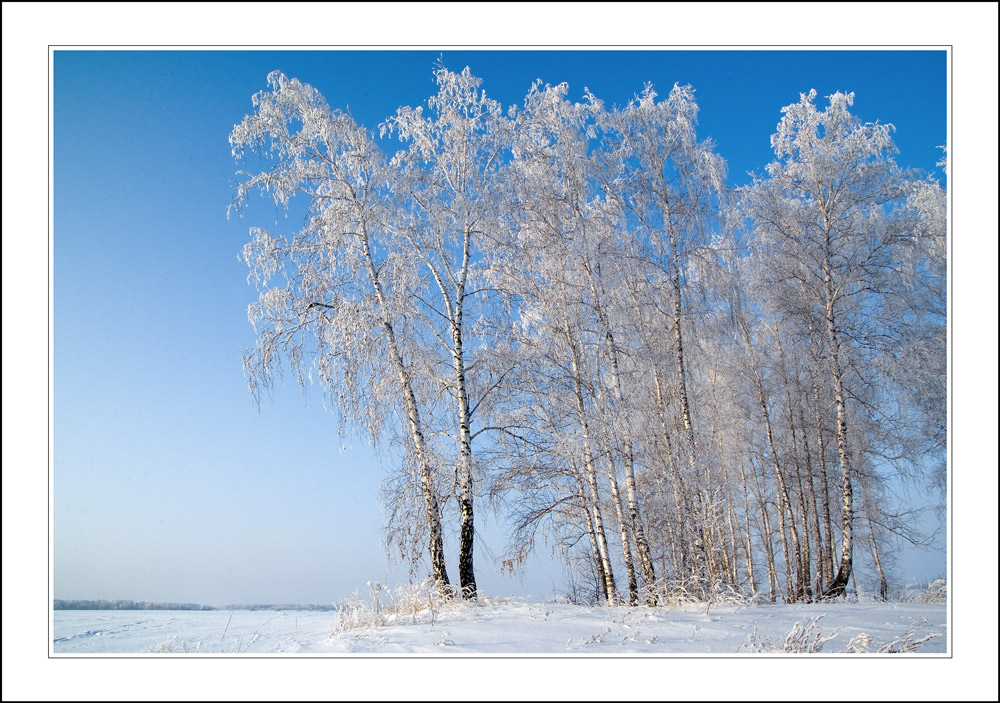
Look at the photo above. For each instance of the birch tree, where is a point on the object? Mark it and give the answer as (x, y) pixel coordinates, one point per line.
(553, 212)
(669, 185)
(335, 295)
(554, 302)
(832, 223)
(448, 185)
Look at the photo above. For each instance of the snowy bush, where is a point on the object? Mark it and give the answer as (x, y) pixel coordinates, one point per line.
(909, 641)
(411, 603)
(674, 592)
(174, 645)
(801, 639)
(809, 640)
(937, 592)
(419, 602)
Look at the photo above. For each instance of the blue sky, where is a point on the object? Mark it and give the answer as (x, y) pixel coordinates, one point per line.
(168, 484)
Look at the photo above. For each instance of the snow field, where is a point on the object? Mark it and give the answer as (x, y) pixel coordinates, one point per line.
(507, 628)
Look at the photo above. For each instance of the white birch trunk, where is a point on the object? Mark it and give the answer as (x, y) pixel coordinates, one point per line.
(466, 570)
(847, 516)
(590, 473)
(431, 507)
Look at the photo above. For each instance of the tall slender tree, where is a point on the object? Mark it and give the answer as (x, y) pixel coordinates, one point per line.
(832, 222)
(448, 184)
(334, 297)
(669, 185)
(554, 302)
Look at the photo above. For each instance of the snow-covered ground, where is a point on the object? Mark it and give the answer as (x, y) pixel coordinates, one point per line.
(507, 627)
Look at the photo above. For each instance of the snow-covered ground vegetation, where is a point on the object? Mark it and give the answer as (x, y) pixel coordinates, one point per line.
(419, 620)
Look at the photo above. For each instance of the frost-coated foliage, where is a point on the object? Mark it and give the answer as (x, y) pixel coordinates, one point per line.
(420, 602)
(809, 639)
(936, 592)
(689, 394)
(801, 639)
(909, 641)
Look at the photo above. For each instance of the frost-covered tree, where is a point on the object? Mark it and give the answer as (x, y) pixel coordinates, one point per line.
(336, 295)
(447, 200)
(551, 240)
(556, 302)
(833, 225)
(384, 294)
(669, 187)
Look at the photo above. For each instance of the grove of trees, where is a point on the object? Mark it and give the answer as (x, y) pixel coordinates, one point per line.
(560, 309)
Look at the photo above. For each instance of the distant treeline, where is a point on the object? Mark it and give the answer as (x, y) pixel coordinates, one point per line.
(280, 607)
(58, 604)
(124, 605)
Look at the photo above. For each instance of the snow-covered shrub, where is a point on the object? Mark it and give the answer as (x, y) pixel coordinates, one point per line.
(174, 645)
(411, 603)
(937, 592)
(800, 639)
(906, 642)
(415, 602)
(809, 640)
(675, 592)
(933, 592)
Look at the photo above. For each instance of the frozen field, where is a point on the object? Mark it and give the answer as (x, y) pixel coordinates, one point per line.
(503, 628)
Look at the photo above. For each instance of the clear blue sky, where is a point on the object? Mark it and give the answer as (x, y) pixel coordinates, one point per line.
(168, 484)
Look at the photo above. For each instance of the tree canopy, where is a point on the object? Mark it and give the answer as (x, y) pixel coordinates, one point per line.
(560, 307)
